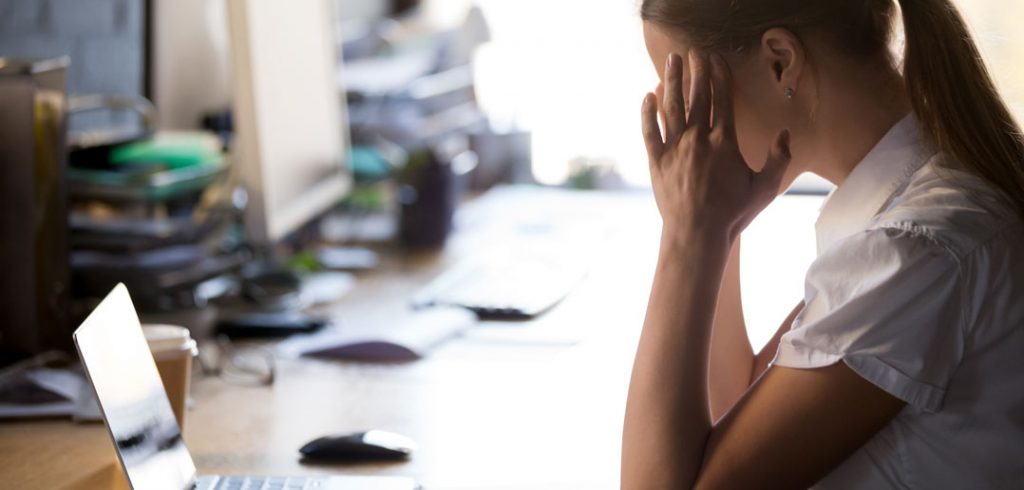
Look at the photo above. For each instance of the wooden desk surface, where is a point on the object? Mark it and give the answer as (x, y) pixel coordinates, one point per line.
(526, 405)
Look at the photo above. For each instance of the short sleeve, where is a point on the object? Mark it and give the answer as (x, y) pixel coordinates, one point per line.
(887, 302)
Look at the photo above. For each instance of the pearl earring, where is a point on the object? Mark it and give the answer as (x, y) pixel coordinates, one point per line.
(790, 92)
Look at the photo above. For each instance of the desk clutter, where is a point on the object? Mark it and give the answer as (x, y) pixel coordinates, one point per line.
(146, 426)
(547, 253)
(154, 214)
(501, 219)
(318, 249)
(36, 389)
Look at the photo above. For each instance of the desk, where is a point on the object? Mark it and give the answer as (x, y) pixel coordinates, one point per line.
(526, 405)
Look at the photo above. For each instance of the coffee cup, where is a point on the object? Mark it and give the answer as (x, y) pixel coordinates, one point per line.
(173, 349)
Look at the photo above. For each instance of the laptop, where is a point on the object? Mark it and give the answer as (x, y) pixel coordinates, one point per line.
(138, 414)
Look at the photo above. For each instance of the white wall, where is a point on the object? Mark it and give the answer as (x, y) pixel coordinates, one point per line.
(191, 60)
(360, 9)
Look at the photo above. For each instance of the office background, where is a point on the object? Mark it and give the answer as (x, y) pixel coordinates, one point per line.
(574, 78)
(582, 67)
(593, 72)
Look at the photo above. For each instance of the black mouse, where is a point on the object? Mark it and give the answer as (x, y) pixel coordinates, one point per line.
(371, 445)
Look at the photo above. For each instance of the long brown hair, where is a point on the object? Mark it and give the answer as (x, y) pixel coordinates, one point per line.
(952, 93)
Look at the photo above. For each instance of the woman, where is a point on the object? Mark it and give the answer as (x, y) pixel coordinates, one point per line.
(904, 365)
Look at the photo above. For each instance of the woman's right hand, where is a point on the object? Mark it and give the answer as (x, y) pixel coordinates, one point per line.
(701, 182)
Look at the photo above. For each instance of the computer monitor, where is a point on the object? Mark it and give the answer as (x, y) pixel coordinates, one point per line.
(186, 37)
(188, 72)
(291, 132)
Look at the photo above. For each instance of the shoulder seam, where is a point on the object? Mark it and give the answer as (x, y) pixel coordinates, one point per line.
(917, 230)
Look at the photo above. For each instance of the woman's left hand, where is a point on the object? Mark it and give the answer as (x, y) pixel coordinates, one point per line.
(701, 182)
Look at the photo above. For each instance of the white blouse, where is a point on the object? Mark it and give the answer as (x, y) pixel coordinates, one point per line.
(919, 288)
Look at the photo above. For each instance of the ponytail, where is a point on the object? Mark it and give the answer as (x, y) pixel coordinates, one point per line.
(955, 99)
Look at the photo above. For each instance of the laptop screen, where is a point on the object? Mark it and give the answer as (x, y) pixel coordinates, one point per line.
(132, 397)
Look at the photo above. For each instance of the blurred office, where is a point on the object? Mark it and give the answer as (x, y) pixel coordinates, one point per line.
(428, 218)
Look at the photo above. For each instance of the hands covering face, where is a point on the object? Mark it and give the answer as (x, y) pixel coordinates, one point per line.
(702, 184)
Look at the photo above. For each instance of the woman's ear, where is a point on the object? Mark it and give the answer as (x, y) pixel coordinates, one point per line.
(787, 58)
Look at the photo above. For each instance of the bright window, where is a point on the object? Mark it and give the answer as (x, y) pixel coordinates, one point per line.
(575, 71)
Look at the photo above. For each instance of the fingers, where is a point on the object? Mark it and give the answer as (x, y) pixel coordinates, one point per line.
(651, 129)
(778, 162)
(724, 114)
(700, 92)
(659, 93)
(673, 104)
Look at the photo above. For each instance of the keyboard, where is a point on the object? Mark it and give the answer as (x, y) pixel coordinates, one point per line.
(513, 285)
(260, 483)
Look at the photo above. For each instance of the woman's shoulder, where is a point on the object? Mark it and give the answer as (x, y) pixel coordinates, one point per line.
(952, 208)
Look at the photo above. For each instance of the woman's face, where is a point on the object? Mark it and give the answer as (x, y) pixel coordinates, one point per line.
(759, 109)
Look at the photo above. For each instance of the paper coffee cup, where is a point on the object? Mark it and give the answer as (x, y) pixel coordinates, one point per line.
(173, 349)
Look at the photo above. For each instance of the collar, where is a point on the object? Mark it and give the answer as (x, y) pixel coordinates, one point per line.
(872, 184)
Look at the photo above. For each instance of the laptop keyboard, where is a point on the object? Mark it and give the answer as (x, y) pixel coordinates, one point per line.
(262, 483)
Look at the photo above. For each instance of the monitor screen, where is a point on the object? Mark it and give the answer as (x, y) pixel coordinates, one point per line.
(291, 141)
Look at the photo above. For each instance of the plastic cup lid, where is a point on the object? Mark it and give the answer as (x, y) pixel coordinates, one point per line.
(168, 338)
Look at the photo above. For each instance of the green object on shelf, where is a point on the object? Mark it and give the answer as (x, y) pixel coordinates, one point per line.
(173, 150)
(166, 166)
(304, 261)
(368, 165)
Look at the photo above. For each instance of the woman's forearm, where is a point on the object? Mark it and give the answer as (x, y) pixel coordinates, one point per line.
(667, 416)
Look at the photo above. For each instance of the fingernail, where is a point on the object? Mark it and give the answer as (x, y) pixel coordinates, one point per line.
(671, 62)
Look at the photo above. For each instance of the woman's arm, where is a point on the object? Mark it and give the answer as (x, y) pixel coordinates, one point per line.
(668, 395)
(792, 426)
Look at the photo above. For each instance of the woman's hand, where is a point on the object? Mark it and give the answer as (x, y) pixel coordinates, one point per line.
(701, 182)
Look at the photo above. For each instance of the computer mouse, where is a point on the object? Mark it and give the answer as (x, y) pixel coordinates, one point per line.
(370, 445)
